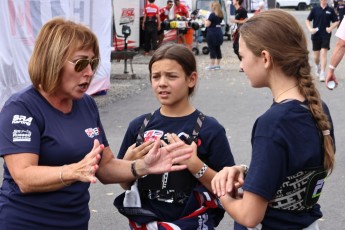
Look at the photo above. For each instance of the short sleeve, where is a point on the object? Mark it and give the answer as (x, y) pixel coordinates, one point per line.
(19, 131)
(341, 31)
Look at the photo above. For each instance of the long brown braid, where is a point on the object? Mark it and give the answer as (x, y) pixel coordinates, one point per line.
(279, 33)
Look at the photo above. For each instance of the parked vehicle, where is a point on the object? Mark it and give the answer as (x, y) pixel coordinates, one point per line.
(314, 3)
(296, 4)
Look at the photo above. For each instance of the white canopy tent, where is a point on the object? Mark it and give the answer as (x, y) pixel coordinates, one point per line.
(20, 22)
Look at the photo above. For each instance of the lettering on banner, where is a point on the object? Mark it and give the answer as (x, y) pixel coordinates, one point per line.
(26, 17)
(21, 20)
(127, 16)
(82, 11)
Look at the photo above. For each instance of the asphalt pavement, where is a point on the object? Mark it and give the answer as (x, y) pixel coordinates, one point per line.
(226, 95)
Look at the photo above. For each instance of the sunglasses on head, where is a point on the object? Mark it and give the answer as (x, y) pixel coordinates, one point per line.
(82, 63)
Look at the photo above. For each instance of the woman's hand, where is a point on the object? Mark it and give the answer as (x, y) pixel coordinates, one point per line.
(164, 159)
(228, 180)
(134, 152)
(86, 168)
(173, 138)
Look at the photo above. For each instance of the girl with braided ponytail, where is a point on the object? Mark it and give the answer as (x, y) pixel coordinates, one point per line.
(292, 142)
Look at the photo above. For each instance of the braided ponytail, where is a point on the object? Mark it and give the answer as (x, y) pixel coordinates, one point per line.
(308, 90)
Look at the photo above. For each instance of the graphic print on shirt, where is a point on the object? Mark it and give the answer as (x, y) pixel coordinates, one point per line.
(151, 10)
(21, 135)
(152, 135)
(300, 191)
(92, 132)
(21, 119)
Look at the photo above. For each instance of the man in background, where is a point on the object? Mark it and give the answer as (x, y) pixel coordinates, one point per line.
(151, 25)
(181, 10)
(164, 14)
(340, 10)
(338, 54)
(240, 17)
(321, 32)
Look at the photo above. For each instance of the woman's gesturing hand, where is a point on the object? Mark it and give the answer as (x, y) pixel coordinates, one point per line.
(165, 159)
(87, 167)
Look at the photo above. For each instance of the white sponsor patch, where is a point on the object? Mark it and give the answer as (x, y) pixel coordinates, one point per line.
(152, 135)
(21, 135)
(20, 119)
(92, 132)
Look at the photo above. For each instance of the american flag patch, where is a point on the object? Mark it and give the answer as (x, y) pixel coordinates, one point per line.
(152, 135)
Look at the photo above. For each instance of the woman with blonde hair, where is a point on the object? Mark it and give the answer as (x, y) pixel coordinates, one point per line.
(292, 142)
(214, 35)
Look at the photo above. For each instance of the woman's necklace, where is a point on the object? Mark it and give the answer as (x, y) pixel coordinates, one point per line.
(276, 99)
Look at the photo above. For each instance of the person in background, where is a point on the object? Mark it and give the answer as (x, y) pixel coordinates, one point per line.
(214, 35)
(181, 10)
(164, 14)
(151, 25)
(240, 17)
(292, 142)
(52, 139)
(183, 200)
(337, 55)
(340, 11)
(322, 16)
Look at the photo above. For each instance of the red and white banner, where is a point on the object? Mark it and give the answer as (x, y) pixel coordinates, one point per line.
(126, 13)
(20, 22)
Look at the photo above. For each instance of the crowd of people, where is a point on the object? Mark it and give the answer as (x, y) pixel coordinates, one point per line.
(175, 164)
(154, 16)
